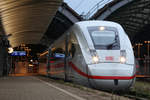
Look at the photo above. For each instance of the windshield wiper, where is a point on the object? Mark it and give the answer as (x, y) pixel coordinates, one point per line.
(113, 44)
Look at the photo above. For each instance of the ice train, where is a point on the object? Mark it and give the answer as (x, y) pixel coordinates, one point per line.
(97, 54)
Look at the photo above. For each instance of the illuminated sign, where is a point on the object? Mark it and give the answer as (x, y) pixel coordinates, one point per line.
(59, 55)
(18, 53)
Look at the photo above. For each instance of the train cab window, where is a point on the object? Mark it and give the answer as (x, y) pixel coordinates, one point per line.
(104, 39)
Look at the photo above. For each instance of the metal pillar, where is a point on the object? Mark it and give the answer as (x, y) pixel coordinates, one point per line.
(48, 62)
(66, 58)
(4, 60)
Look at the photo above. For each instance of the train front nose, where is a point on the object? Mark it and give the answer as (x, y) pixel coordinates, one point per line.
(112, 84)
(111, 76)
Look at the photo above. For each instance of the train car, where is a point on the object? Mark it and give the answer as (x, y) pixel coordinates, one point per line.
(97, 54)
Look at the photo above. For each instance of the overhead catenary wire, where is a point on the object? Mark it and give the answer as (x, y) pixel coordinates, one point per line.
(96, 7)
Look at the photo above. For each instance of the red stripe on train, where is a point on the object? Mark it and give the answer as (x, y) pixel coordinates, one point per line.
(100, 77)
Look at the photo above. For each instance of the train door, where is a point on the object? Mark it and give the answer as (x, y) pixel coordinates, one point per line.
(77, 61)
(69, 55)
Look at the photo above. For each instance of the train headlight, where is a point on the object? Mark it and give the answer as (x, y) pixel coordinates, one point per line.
(122, 59)
(95, 59)
(122, 56)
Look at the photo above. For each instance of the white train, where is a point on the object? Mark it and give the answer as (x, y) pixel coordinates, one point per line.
(96, 54)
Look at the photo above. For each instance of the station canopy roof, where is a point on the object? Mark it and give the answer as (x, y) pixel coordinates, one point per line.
(27, 20)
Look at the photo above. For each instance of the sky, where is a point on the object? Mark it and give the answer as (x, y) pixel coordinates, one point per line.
(83, 6)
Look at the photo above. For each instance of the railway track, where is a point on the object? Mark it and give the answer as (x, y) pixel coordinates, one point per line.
(140, 91)
(136, 97)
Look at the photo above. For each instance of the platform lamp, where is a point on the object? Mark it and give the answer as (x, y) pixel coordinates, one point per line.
(139, 47)
(148, 47)
(148, 62)
(10, 50)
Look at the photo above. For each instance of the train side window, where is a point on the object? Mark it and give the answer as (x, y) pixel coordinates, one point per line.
(72, 50)
(72, 45)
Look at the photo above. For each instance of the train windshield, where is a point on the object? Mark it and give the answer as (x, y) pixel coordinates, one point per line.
(104, 39)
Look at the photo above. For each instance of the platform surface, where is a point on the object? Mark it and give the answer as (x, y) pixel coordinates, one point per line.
(29, 88)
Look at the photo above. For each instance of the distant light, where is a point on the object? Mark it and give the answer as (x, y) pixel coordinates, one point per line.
(146, 41)
(30, 65)
(10, 50)
(101, 28)
(31, 60)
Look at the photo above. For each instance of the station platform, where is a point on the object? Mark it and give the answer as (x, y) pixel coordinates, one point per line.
(29, 88)
(43, 88)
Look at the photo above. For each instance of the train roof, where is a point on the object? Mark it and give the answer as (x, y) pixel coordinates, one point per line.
(97, 23)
